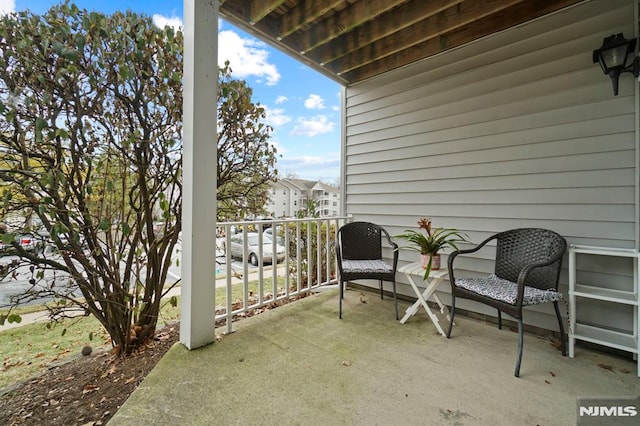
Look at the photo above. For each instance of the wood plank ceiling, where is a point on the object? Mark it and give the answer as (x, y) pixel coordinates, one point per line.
(352, 40)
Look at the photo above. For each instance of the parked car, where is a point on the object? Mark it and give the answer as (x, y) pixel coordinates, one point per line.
(253, 248)
(28, 241)
(269, 232)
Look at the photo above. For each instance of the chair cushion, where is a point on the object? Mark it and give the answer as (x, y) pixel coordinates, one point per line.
(497, 288)
(365, 266)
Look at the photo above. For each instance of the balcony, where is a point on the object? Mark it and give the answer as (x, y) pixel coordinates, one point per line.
(300, 364)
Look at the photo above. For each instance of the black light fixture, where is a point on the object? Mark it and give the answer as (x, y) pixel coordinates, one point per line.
(615, 56)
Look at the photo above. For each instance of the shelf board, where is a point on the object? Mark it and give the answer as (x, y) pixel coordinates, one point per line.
(606, 294)
(602, 336)
(604, 251)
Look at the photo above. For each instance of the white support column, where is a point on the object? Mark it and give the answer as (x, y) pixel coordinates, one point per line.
(199, 161)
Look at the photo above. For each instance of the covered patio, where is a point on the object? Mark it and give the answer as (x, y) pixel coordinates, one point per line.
(482, 116)
(300, 364)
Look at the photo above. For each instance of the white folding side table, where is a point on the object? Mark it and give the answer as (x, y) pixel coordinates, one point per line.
(414, 271)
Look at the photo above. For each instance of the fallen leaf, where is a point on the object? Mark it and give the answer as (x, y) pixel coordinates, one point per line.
(130, 380)
(605, 366)
(39, 355)
(552, 374)
(346, 363)
(89, 388)
(547, 382)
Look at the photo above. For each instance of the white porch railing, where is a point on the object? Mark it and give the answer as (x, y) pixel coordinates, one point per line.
(309, 262)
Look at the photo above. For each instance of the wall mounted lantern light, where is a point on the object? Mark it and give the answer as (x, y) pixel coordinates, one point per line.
(617, 55)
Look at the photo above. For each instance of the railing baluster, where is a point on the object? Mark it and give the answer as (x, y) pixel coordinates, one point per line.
(298, 257)
(293, 229)
(229, 309)
(318, 254)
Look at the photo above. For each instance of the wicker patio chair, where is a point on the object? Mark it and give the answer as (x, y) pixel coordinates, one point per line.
(527, 269)
(359, 255)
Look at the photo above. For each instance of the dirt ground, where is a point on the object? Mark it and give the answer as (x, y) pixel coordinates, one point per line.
(88, 390)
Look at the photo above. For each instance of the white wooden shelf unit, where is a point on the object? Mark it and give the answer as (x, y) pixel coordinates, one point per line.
(600, 335)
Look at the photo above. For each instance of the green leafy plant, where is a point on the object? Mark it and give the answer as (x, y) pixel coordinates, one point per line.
(432, 240)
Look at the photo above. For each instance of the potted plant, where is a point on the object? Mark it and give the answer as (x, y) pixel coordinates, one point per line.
(430, 242)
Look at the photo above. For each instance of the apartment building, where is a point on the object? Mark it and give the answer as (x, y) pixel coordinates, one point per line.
(287, 197)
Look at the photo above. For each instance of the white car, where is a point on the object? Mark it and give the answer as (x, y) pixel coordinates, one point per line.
(269, 232)
(237, 243)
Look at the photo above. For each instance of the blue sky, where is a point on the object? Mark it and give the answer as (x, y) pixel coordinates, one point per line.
(303, 106)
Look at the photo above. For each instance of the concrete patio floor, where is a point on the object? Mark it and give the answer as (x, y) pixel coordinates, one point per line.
(300, 364)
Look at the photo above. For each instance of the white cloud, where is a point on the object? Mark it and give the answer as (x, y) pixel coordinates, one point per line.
(314, 102)
(7, 6)
(162, 21)
(337, 107)
(309, 161)
(276, 116)
(326, 167)
(313, 126)
(281, 99)
(246, 56)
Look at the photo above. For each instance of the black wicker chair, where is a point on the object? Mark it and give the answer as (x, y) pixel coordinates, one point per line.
(527, 269)
(359, 254)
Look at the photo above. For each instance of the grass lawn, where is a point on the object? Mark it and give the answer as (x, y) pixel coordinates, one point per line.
(27, 350)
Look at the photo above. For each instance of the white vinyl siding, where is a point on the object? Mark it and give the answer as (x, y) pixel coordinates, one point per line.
(518, 129)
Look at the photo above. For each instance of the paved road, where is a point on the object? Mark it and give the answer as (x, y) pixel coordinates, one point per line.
(17, 285)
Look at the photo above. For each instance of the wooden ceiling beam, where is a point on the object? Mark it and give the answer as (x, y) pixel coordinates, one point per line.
(342, 22)
(239, 14)
(268, 29)
(259, 9)
(502, 20)
(304, 14)
(446, 21)
(351, 40)
(383, 26)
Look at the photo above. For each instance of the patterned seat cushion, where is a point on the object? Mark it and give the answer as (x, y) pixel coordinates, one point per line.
(356, 266)
(506, 291)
